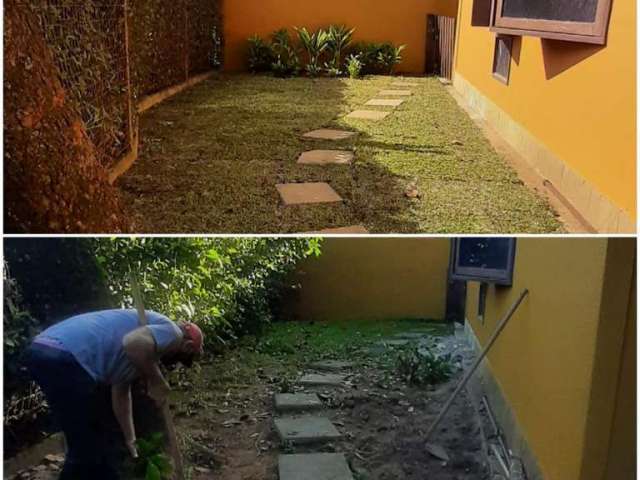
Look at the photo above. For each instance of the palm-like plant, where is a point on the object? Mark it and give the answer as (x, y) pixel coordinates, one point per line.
(315, 44)
(339, 39)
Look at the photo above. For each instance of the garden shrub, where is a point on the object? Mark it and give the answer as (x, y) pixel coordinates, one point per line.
(377, 58)
(228, 286)
(354, 66)
(260, 55)
(286, 58)
(419, 366)
(280, 55)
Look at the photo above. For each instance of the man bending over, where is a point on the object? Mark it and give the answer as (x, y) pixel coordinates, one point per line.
(73, 360)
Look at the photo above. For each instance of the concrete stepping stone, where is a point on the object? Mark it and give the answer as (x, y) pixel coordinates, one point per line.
(314, 466)
(306, 430)
(411, 336)
(374, 115)
(322, 379)
(326, 157)
(330, 134)
(385, 102)
(392, 342)
(395, 93)
(405, 84)
(297, 402)
(355, 229)
(331, 365)
(304, 193)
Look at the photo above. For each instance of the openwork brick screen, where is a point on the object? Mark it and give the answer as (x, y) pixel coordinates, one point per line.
(168, 42)
(86, 38)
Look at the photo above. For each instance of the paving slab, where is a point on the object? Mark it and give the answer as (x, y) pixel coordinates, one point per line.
(322, 379)
(326, 157)
(385, 102)
(392, 342)
(306, 430)
(297, 402)
(314, 466)
(412, 336)
(374, 115)
(304, 193)
(353, 230)
(395, 93)
(405, 84)
(331, 365)
(330, 134)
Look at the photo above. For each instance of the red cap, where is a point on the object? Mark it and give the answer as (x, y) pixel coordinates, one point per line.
(195, 335)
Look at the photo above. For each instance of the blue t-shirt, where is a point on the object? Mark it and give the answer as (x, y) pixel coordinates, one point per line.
(95, 339)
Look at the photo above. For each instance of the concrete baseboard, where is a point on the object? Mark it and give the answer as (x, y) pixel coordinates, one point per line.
(598, 210)
(484, 384)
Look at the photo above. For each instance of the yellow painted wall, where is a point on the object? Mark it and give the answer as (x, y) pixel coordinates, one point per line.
(549, 361)
(403, 22)
(390, 278)
(585, 113)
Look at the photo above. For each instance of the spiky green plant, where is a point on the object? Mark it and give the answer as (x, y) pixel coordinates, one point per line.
(315, 44)
(286, 60)
(354, 66)
(339, 40)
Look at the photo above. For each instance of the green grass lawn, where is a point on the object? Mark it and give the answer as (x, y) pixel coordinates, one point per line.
(211, 158)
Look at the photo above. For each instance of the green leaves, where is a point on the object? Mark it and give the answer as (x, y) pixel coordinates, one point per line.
(315, 44)
(228, 286)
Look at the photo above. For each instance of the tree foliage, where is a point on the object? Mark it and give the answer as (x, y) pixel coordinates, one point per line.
(227, 286)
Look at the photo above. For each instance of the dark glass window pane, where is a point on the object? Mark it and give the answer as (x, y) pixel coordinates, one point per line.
(561, 10)
(490, 253)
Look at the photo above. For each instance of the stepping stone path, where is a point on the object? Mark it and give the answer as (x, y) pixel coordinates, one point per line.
(306, 430)
(384, 102)
(297, 402)
(314, 466)
(393, 343)
(329, 134)
(331, 365)
(395, 93)
(326, 157)
(322, 379)
(373, 115)
(412, 336)
(310, 430)
(405, 84)
(309, 193)
(303, 193)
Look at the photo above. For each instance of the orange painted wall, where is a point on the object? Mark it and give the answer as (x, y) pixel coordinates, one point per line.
(576, 99)
(403, 22)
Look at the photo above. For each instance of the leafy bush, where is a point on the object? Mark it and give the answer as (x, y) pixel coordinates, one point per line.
(339, 39)
(419, 366)
(388, 58)
(152, 462)
(378, 58)
(354, 66)
(228, 286)
(314, 44)
(286, 60)
(260, 55)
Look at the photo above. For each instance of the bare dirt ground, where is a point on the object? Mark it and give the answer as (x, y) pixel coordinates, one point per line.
(382, 419)
(224, 411)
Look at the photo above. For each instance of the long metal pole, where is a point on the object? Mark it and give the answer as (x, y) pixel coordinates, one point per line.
(485, 351)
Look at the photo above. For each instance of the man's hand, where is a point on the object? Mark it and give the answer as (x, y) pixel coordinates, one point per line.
(131, 446)
(158, 390)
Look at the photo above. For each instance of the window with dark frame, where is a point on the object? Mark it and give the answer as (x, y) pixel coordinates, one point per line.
(573, 20)
(487, 260)
(502, 58)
